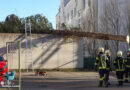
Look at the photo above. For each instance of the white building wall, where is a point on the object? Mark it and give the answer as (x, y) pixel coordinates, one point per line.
(81, 13)
(72, 13)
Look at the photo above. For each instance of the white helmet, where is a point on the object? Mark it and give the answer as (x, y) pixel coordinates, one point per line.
(107, 52)
(128, 52)
(101, 49)
(119, 53)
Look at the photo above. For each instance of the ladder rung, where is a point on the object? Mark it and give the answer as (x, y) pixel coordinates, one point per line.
(29, 54)
(29, 59)
(29, 62)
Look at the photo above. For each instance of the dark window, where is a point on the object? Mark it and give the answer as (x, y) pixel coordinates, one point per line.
(71, 14)
(84, 4)
(65, 2)
(65, 19)
(89, 2)
(68, 16)
(79, 23)
(75, 12)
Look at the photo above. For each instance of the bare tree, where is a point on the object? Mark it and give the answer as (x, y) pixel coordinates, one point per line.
(127, 17)
(110, 20)
(90, 23)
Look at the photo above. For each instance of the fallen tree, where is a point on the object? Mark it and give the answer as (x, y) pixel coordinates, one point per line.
(93, 35)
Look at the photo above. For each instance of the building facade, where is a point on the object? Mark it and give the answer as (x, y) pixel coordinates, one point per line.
(71, 12)
(109, 16)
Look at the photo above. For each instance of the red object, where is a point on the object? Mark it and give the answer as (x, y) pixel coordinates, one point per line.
(40, 73)
(2, 64)
(37, 73)
(3, 72)
(1, 78)
(43, 73)
(3, 68)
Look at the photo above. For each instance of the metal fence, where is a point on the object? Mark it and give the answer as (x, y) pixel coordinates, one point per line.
(89, 63)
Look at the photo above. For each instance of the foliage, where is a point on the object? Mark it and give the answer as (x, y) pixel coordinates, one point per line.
(14, 24)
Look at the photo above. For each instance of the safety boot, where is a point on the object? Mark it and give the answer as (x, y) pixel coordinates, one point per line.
(126, 81)
(120, 83)
(106, 84)
(100, 84)
(109, 83)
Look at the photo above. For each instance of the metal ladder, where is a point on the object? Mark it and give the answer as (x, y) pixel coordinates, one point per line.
(28, 37)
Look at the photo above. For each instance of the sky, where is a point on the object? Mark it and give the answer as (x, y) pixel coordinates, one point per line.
(24, 8)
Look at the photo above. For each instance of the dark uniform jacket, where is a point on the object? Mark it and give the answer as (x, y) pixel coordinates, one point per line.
(119, 64)
(101, 61)
(108, 62)
(127, 62)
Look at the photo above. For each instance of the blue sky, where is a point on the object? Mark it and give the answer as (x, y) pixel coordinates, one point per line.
(23, 8)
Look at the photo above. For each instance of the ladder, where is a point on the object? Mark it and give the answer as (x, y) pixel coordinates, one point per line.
(28, 38)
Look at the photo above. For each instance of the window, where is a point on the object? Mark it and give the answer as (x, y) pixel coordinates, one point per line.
(76, 1)
(68, 16)
(71, 14)
(79, 14)
(89, 3)
(59, 17)
(84, 4)
(65, 19)
(79, 23)
(74, 12)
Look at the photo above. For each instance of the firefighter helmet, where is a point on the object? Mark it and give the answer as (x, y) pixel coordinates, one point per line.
(101, 49)
(128, 52)
(107, 52)
(119, 53)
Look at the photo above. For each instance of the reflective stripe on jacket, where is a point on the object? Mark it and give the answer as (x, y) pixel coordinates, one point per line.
(101, 61)
(119, 64)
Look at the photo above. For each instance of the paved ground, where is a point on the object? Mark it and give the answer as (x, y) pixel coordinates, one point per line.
(67, 81)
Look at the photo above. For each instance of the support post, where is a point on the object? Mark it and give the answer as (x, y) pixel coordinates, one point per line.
(7, 61)
(19, 65)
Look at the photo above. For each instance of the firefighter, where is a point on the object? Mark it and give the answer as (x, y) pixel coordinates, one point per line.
(108, 69)
(127, 67)
(100, 63)
(119, 65)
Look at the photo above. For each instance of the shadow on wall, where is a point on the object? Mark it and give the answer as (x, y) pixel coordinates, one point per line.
(15, 46)
(80, 53)
(59, 53)
(55, 47)
(44, 52)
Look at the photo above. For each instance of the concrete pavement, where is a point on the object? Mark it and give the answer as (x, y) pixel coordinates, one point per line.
(67, 81)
